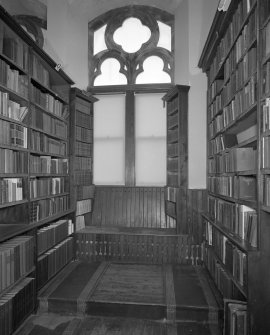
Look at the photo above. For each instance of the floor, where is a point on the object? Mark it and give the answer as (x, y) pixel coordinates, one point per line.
(115, 298)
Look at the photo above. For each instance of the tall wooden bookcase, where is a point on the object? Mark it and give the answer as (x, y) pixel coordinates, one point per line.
(81, 155)
(34, 175)
(236, 59)
(177, 157)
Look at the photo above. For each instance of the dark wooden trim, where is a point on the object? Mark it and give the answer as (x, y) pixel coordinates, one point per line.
(130, 140)
(131, 64)
(136, 88)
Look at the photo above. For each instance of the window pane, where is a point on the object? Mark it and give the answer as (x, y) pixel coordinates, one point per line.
(109, 140)
(99, 40)
(153, 72)
(151, 162)
(165, 36)
(132, 35)
(110, 74)
(150, 142)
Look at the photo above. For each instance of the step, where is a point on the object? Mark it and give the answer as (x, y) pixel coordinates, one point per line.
(170, 293)
(55, 324)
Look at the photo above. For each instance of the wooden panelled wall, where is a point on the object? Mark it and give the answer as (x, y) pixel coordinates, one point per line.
(129, 207)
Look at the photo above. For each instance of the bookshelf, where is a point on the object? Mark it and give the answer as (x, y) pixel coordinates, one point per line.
(81, 155)
(177, 157)
(34, 172)
(236, 223)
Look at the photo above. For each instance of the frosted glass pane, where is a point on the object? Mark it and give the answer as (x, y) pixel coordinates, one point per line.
(110, 74)
(132, 35)
(150, 115)
(99, 40)
(153, 72)
(109, 166)
(109, 116)
(151, 162)
(150, 140)
(165, 36)
(109, 143)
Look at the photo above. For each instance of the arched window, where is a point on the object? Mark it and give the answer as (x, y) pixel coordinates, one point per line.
(131, 45)
(131, 66)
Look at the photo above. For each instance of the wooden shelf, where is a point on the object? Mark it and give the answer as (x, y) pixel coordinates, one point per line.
(48, 112)
(63, 139)
(236, 240)
(48, 89)
(14, 203)
(16, 96)
(49, 196)
(13, 64)
(41, 153)
(240, 288)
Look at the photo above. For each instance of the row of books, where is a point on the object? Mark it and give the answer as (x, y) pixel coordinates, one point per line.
(16, 305)
(83, 163)
(12, 79)
(172, 135)
(234, 260)
(242, 101)
(45, 208)
(85, 191)
(80, 222)
(84, 134)
(54, 260)
(215, 107)
(12, 109)
(84, 120)
(13, 134)
(45, 144)
(265, 10)
(16, 260)
(13, 161)
(83, 206)
(171, 194)
(266, 197)
(13, 47)
(48, 164)
(39, 71)
(83, 105)
(233, 160)
(244, 98)
(52, 234)
(172, 150)
(238, 187)
(47, 123)
(249, 33)
(221, 143)
(172, 164)
(214, 89)
(44, 186)
(244, 70)
(12, 189)
(172, 106)
(83, 177)
(221, 277)
(83, 149)
(239, 219)
(266, 78)
(48, 102)
(265, 152)
(170, 222)
(265, 40)
(172, 121)
(266, 115)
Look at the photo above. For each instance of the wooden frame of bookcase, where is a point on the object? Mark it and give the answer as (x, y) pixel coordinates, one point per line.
(258, 288)
(18, 213)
